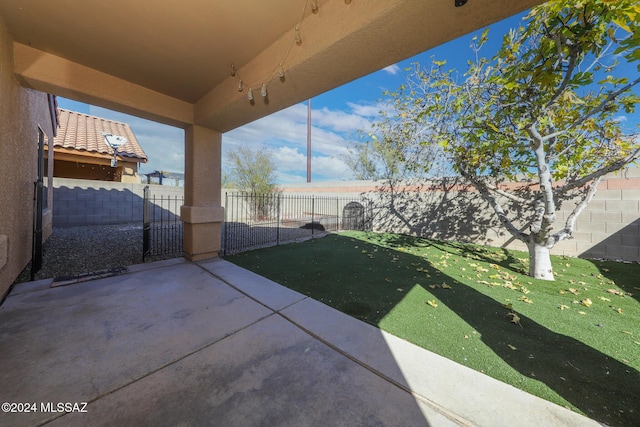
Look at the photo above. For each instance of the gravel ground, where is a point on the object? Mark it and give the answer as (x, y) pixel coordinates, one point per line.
(71, 251)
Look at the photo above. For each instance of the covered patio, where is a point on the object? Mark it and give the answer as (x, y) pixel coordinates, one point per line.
(199, 341)
(209, 343)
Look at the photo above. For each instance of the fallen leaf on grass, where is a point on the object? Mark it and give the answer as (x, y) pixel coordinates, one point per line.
(511, 347)
(514, 318)
(563, 307)
(508, 306)
(573, 291)
(604, 298)
(581, 312)
(525, 299)
(586, 302)
(615, 292)
(432, 303)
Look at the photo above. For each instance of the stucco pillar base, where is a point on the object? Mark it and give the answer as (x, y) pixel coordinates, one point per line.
(202, 231)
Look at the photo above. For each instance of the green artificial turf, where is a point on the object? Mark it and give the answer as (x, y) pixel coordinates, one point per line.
(574, 341)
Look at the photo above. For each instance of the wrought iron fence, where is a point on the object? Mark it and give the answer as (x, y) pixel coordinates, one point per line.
(260, 220)
(162, 229)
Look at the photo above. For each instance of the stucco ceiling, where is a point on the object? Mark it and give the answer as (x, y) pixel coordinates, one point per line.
(183, 49)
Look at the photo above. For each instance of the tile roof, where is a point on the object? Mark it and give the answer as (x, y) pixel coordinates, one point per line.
(82, 132)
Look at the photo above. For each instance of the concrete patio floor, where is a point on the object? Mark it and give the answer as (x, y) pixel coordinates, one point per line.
(209, 343)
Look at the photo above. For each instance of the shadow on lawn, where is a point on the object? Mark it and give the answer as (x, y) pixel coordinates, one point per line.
(618, 272)
(475, 252)
(579, 373)
(601, 387)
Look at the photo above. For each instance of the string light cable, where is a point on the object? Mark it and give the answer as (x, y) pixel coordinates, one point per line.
(279, 71)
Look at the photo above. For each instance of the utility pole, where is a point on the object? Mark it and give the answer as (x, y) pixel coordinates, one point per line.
(309, 141)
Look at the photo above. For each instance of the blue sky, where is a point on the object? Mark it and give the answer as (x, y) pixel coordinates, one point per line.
(337, 116)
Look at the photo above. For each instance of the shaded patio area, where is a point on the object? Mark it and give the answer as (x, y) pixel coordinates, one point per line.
(209, 343)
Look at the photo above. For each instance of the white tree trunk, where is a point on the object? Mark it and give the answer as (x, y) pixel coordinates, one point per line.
(540, 262)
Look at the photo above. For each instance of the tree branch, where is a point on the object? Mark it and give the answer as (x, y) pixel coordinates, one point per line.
(570, 224)
(567, 77)
(505, 194)
(595, 110)
(601, 172)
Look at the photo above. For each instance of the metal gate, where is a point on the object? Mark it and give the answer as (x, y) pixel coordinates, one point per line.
(38, 195)
(260, 220)
(162, 228)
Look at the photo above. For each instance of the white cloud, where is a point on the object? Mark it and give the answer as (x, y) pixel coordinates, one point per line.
(331, 131)
(331, 168)
(292, 166)
(340, 121)
(284, 133)
(372, 111)
(392, 69)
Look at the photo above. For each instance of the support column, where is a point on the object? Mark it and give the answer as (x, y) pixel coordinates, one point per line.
(202, 212)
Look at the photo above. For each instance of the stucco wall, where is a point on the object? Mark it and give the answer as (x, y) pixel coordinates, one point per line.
(21, 112)
(608, 228)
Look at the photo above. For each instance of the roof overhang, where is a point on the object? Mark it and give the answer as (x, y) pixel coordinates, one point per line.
(172, 63)
(70, 155)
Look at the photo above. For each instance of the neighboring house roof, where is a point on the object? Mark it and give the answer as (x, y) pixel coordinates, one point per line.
(165, 174)
(82, 132)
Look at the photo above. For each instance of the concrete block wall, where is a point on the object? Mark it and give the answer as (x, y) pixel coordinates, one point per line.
(608, 228)
(88, 202)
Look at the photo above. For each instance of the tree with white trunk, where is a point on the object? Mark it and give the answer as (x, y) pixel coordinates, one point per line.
(540, 123)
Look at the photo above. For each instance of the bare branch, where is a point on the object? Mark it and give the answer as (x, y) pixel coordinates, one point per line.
(505, 194)
(570, 224)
